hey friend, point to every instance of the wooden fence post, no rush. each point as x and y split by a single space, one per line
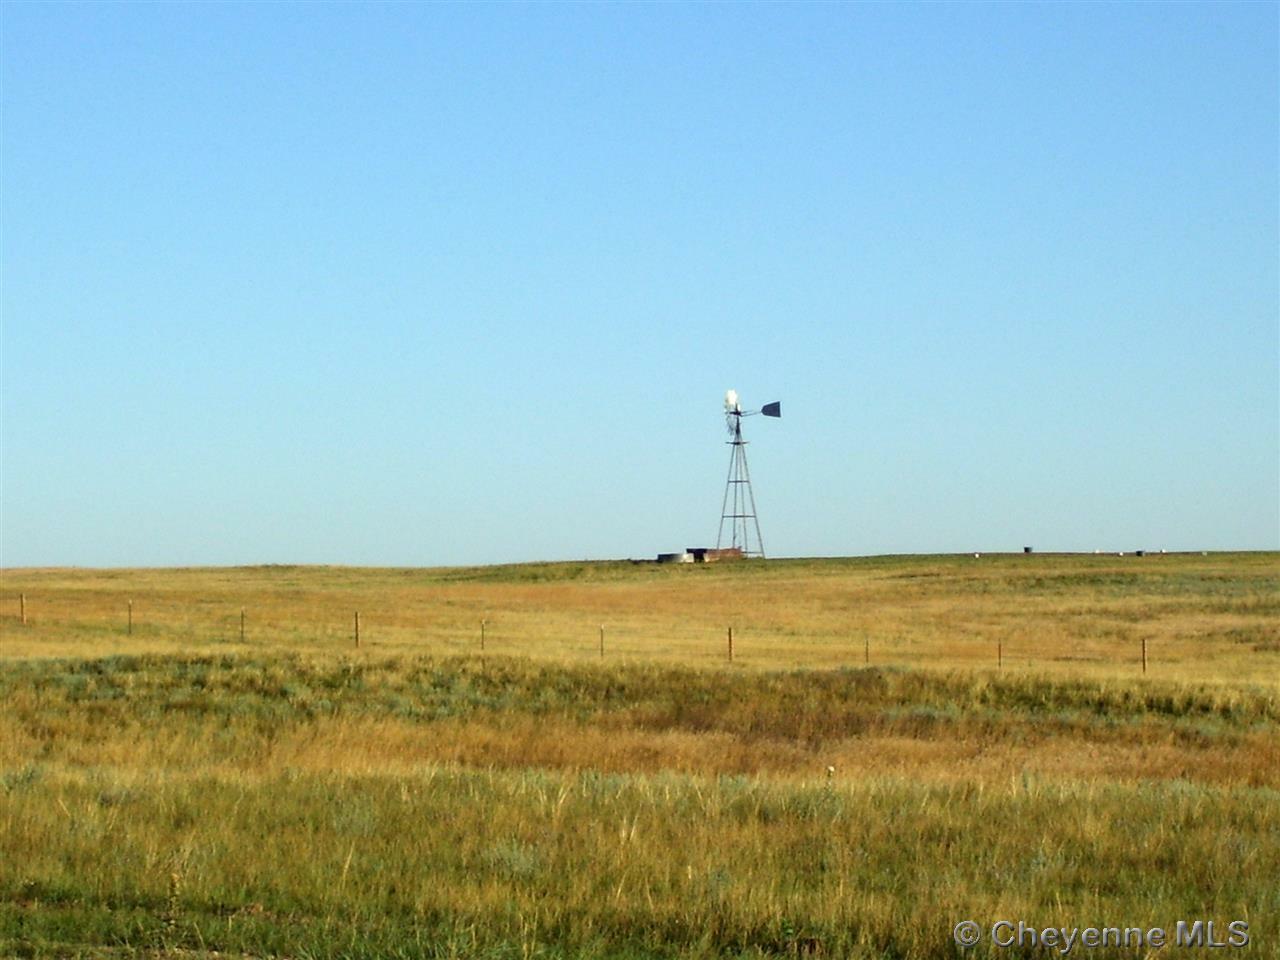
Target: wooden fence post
22 607
866 650
242 624
130 628
731 644
357 628
482 623
602 639
1144 654
999 655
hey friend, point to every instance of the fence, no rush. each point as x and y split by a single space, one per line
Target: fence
75 625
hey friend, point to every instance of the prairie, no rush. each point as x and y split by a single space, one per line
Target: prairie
862 776
1202 617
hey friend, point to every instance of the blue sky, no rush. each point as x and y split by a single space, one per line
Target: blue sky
437 284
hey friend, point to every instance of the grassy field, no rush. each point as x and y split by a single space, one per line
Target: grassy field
177 791
1203 617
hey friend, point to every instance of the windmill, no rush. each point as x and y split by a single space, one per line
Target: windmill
739 504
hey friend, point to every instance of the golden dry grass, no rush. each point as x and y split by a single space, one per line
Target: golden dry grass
175 792
1213 617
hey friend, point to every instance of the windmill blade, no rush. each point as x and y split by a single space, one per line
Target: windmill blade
772 409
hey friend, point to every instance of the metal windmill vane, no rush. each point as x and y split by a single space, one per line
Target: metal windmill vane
739 504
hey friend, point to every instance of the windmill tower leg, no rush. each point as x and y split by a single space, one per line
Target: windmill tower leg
755 520
725 513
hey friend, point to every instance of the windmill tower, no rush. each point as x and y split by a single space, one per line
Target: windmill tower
739 504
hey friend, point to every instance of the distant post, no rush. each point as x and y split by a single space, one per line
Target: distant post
866 650
482 623
602 639
22 607
731 644
357 628
1144 654
130 627
242 624
999 654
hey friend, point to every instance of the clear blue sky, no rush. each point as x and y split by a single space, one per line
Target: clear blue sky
437 284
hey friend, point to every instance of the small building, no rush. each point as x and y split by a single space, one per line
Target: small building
708 555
